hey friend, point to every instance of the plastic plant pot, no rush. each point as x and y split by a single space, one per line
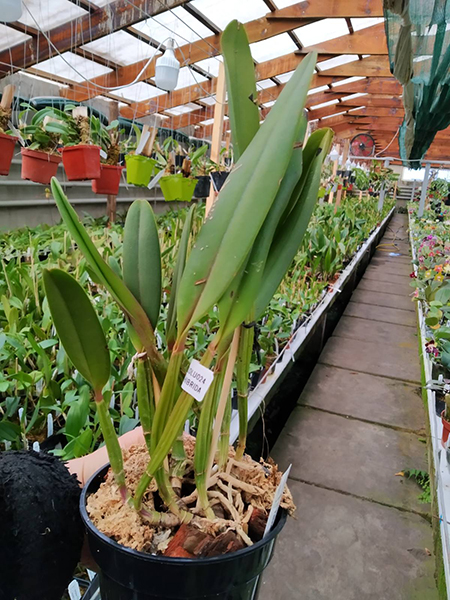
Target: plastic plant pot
202 187
81 162
39 167
177 187
127 574
108 182
446 429
7 143
219 178
139 169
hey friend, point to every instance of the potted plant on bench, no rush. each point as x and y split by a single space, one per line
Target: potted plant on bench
192 520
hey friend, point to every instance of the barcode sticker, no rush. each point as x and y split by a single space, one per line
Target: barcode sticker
197 380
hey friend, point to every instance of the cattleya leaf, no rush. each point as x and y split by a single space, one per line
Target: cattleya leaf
238 213
78 327
171 323
243 108
289 235
142 258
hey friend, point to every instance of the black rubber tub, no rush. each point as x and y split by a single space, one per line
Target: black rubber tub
202 187
219 178
126 574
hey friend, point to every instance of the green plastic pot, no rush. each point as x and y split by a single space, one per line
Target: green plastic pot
140 169
177 187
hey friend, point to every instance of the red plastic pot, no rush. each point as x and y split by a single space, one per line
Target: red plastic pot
81 162
446 430
7 143
109 180
39 167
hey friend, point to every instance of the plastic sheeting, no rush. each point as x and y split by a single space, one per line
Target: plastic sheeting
418 36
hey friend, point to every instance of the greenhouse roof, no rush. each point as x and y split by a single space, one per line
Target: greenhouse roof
91 47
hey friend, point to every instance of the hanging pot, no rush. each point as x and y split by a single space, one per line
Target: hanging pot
219 178
177 187
108 182
39 167
81 162
127 574
202 187
7 143
140 169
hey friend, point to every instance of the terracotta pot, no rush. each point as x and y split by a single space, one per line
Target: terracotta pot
81 162
7 143
446 430
109 180
39 167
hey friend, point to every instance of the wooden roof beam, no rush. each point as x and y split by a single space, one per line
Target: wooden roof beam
116 15
334 8
371 40
373 66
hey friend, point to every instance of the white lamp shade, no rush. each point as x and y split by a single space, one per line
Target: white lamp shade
10 10
167 68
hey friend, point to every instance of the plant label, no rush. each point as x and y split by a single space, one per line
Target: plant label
277 501
197 380
144 139
16 132
103 154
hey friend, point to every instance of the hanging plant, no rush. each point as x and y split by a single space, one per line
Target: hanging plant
110 170
7 141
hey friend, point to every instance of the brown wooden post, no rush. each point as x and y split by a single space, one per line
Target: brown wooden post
216 140
7 97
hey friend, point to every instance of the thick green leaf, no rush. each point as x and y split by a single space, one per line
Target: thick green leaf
241 208
78 327
241 87
171 323
142 258
289 235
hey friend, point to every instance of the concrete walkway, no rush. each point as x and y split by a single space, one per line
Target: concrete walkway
360 531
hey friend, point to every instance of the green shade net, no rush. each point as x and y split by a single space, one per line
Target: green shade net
418 38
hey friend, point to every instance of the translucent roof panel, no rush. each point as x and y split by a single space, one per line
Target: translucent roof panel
269 104
316 90
321 31
333 115
265 83
209 100
10 37
210 65
353 96
139 92
73 67
285 77
120 47
323 104
182 110
189 77
343 59
348 80
221 13
49 14
272 47
365 22
211 121
177 24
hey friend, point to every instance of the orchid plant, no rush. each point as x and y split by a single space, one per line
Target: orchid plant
234 267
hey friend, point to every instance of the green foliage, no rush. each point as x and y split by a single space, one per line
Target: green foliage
422 478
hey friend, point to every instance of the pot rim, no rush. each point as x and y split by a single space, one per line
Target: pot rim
6 135
51 157
178 176
103 166
79 146
170 560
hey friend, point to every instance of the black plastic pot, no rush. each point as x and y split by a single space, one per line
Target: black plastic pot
126 574
202 187
219 178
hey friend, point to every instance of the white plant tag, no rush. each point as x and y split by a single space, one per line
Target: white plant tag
36 447
155 179
103 153
49 425
74 590
277 501
144 138
197 380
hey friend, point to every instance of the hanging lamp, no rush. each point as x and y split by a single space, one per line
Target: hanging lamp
10 10
167 68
